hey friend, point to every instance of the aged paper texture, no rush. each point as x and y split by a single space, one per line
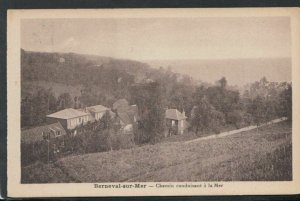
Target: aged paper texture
145 102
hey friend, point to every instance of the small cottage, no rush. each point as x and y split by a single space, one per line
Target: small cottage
97 112
126 115
41 133
42 143
69 118
175 122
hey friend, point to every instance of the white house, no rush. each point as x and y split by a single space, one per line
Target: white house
97 111
69 118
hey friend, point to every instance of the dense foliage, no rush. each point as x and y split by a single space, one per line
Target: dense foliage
149 99
104 80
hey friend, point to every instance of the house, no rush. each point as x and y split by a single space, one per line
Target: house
126 115
42 142
37 134
121 105
175 121
125 120
97 112
69 118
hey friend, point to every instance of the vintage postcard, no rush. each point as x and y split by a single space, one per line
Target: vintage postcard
153 102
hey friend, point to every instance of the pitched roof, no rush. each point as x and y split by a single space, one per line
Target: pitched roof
121 104
174 114
125 118
91 117
97 108
36 134
67 114
112 114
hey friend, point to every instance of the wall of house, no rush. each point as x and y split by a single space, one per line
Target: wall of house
63 122
73 123
180 126
99 115
171 124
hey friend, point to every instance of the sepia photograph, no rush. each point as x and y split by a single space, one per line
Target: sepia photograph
166 100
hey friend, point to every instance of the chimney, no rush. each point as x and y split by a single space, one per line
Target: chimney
183 112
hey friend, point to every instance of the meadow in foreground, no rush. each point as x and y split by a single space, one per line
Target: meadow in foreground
265 155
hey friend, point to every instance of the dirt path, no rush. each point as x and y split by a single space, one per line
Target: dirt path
227 133
222 166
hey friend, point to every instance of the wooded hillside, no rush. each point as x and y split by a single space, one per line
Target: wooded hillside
103 80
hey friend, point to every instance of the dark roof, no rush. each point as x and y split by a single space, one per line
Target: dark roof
97 108
36 134
67 114
125 118
112 114
174 114
121 104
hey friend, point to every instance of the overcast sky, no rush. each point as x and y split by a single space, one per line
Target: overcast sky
161 38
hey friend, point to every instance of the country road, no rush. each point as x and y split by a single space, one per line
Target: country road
227 133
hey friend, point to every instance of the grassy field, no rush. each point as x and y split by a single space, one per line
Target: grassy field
246 156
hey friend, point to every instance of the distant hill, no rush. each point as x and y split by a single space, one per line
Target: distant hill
73 73
237 71
72 68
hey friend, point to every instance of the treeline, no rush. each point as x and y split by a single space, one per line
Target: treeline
210 108
217 106
107 75
35 106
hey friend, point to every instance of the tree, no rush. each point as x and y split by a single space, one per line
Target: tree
26 111
205 116
223 83
107 120
223 99
35 106
76 103
285 102
247 119
235 118
217 119
275 98
64 101
256 109
148 97
52 101
40 109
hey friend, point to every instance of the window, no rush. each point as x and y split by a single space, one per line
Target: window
58 133
44 135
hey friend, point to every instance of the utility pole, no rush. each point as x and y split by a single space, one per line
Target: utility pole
48 142
48 150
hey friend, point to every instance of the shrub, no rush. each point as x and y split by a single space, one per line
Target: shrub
119 140
217 120
247 119
235 118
